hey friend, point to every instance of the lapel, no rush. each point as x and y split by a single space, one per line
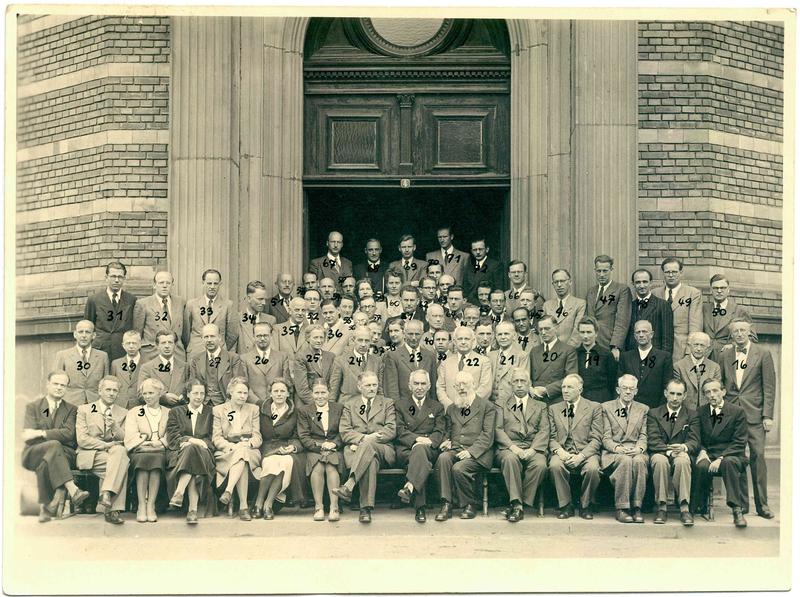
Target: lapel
224 363
580 413
753 360
375 407
215 309
518 414
473 410
717 429
358 405
683 419
645 371
633 418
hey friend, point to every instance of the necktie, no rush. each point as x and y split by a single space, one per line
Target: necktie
369 407
114 300
296 331
209 311
85 359
672 417
560 307
461 363
521 406
417 359
669 298
523 340
588 358
642 303
419 404
166 308
106 415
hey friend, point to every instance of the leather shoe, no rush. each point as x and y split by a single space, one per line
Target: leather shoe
364 515
225 498
766 513
269 514
687 519
661 517
113 517
517 513
623 516
404 495
244 514
738 518
44 514
105 500
586 514
637 515
419 516
445 513
304 505
191 517
468 512
256 512
333 516
344 493
78 498
566 512
277 506
176 500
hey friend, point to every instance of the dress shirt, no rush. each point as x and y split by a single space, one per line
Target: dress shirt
741 357
195 415
324 412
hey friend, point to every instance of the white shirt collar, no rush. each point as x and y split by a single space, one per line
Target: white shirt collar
199 410
675 412
161 300
323 409
448 251
53 404
674 290
644 298
723 304
482 261
88 351
216 353
719 408
171 360
643 353
111 294
134 359
266 353
332 258
694 360
746 347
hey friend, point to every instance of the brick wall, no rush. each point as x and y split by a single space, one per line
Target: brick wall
92 167
710 152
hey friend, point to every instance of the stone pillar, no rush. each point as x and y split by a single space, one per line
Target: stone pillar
604 147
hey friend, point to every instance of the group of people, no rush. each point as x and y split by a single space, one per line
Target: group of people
437 366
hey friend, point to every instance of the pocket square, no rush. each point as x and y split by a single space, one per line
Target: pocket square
430 415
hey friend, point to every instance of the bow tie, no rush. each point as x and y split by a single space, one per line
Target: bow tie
742 350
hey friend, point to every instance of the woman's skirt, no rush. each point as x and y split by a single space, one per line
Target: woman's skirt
225 460
275 465
149 461
198 461
334 458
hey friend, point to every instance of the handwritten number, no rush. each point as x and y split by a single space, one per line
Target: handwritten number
550 357
412 410
141 411
94 408
230 416
362 410
465 412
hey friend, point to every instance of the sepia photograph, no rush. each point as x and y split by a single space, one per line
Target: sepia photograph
324 299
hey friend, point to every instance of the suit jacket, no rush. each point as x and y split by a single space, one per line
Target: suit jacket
687 316
277 309
59 426
277 433
491 272
612 310
573 312
128 381
725 437
148 319
83 383
455 264
337 338
224 428
652 380
397 368
310 431
307 367
246 341
344 375
599 373
223 316
659 314
528 429
99 309
260 375
756 395
284 339
476 364
412 422
179 429
561 361
137 427
419 315
716 325
355 424
174 380
414 273
502 368
694 377
623 428
376 277
230 366
661 431
322 268
91 433
584 434
472 429
512 302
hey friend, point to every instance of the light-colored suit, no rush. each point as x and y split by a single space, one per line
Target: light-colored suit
108 462
260 374
454 265
687 316
284 339
627 427
344 375
475 364
512 357
83 382
128 377
149 318
246 341
337 338
612 310
694 376
573 312
223 316
137 427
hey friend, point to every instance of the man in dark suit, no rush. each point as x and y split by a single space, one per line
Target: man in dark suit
420 430
126 370
373 268
650 366
718 314
399 364
481 268
409 300
653 309
576 433
167 368
550 362
749 377
723 436
673 434
411 268
596 365
609 303
160 311
111 312
466 449
522 434
215 366
453 261
49 436
368 426
311 364
332 265
85 366
279 304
